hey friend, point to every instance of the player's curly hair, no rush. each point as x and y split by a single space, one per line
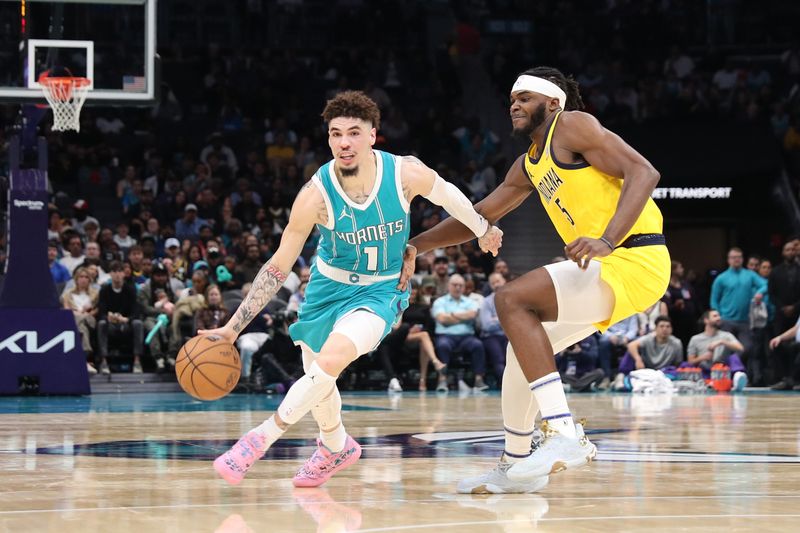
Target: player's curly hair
566 83
353 104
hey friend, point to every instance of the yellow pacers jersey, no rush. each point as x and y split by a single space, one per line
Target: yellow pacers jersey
580 201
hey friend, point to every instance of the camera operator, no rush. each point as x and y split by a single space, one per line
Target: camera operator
281 360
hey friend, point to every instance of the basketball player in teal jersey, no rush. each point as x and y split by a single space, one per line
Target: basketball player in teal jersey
359 201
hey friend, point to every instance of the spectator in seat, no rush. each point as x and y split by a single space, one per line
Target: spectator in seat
252 263
156 297
123 238
252 339
118 316
577 365
439 277
172 251
82 301
614 342
492 336
191 300
189 226
414 330
74 257
713 345
59 272
786 350
732 292
658 349
455 330
214 314
682 304
784 289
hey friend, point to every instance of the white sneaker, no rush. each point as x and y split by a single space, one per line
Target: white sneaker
739 381
137 368
441 386
496 481
556 453
619 382
394 385
91 369
463 388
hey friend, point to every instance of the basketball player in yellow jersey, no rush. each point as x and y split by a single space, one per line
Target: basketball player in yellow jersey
596 190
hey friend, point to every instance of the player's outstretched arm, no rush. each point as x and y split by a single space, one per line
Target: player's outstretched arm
504 199
606 151
418 179
308 209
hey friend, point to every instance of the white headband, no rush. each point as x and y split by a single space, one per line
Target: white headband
541 86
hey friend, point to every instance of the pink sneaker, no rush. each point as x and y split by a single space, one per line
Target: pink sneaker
234 464
324 464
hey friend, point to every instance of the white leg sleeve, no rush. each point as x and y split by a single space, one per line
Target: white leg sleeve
305 394
519 409
327 412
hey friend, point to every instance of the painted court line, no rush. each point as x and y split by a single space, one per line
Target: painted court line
575 519
435 500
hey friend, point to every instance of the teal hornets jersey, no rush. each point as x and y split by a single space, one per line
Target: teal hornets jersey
368 238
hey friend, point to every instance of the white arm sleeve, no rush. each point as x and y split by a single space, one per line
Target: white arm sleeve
449 196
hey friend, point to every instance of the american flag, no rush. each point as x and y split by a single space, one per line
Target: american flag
133 83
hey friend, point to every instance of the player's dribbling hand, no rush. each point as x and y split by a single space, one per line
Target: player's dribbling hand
227 334
583 249
491 241
409 266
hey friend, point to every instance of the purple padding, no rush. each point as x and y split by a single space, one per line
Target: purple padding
43 343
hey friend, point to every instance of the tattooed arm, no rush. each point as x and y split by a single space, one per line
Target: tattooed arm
309 208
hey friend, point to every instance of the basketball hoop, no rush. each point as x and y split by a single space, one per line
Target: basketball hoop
66 96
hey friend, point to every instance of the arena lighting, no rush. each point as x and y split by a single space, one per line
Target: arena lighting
692 193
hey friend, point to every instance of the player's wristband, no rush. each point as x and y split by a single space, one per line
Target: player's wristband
607 242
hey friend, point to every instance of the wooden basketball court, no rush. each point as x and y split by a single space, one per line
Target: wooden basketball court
142 462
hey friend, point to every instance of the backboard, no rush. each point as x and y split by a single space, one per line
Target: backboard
110 42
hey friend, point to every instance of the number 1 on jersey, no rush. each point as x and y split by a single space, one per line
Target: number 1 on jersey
372 257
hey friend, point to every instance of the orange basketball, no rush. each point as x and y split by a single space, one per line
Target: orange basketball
208 367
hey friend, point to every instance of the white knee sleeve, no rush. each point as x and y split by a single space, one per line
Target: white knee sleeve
364 328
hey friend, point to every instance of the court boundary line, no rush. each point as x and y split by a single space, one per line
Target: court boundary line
435 500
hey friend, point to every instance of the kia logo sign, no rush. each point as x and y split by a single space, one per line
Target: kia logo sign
11 343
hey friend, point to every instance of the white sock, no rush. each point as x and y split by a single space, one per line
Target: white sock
270 431
334 440
305 394
549 392
328 414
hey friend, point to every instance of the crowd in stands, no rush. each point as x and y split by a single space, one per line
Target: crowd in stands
163 216
749 324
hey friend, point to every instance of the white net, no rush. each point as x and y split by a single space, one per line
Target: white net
66 97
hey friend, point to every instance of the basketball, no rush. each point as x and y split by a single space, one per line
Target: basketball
208 367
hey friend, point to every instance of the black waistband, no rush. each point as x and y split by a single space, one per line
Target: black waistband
643 239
